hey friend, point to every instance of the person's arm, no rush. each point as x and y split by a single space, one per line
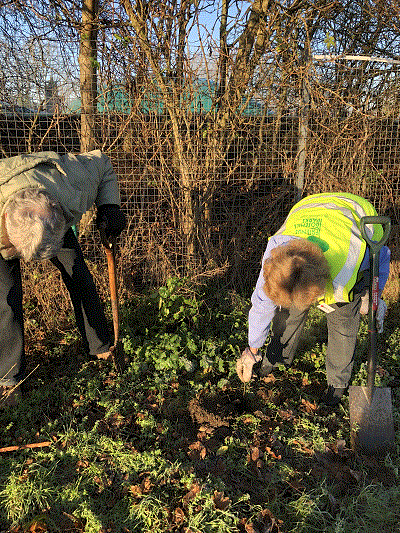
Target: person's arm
260 316
110 218
108 192
384 265
99 175
262 309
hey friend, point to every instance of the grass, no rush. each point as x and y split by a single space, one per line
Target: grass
176 444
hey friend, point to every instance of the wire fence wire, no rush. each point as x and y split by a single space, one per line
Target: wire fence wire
334 129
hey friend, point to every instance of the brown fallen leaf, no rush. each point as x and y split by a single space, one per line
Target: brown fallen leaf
272 453
179 516
82 465
37 525
194 490
269 379
146 485
249 528
266 522
197 451
255 453
286 414
310 407
304 448
247 420
220 501
383 373
136 490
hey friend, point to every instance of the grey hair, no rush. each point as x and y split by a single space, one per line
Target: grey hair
35 224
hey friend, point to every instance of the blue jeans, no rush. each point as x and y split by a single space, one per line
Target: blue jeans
89 313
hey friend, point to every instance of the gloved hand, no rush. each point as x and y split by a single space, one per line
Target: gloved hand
380 314
380 311
245 363
110 220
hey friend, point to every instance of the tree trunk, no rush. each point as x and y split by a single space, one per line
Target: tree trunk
88 73
88 88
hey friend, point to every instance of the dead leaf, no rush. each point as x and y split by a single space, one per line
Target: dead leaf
220 501
269 379
382 372
197 451
249 528
179 515
37 525
116 420
82 465
255 454
272 453
310 407
304 448
146 485
194 490
136 490
248 420
24 476
286 415
266 523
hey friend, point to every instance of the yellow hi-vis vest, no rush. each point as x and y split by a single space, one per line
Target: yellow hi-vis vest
332 221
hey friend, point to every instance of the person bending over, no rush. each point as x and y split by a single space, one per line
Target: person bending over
42 196
319 257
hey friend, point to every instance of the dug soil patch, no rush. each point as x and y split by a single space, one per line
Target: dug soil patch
219 409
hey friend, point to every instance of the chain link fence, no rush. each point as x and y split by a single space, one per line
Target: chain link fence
311 134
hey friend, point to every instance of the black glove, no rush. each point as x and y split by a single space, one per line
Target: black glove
110 221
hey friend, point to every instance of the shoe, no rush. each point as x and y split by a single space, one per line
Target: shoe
10 396
332 397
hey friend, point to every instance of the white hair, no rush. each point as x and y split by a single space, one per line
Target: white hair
35 224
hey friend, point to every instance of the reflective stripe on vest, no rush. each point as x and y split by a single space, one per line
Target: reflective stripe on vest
332 221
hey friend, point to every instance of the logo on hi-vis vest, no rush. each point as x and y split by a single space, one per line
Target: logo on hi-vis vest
309 226
312 228
319 242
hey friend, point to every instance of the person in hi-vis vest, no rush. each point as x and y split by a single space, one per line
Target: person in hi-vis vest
319 257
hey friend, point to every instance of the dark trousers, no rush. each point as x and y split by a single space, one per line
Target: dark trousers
88 309
342 323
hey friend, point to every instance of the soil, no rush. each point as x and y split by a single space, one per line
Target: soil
219 409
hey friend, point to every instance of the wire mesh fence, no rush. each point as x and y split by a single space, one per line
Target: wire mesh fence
197 210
